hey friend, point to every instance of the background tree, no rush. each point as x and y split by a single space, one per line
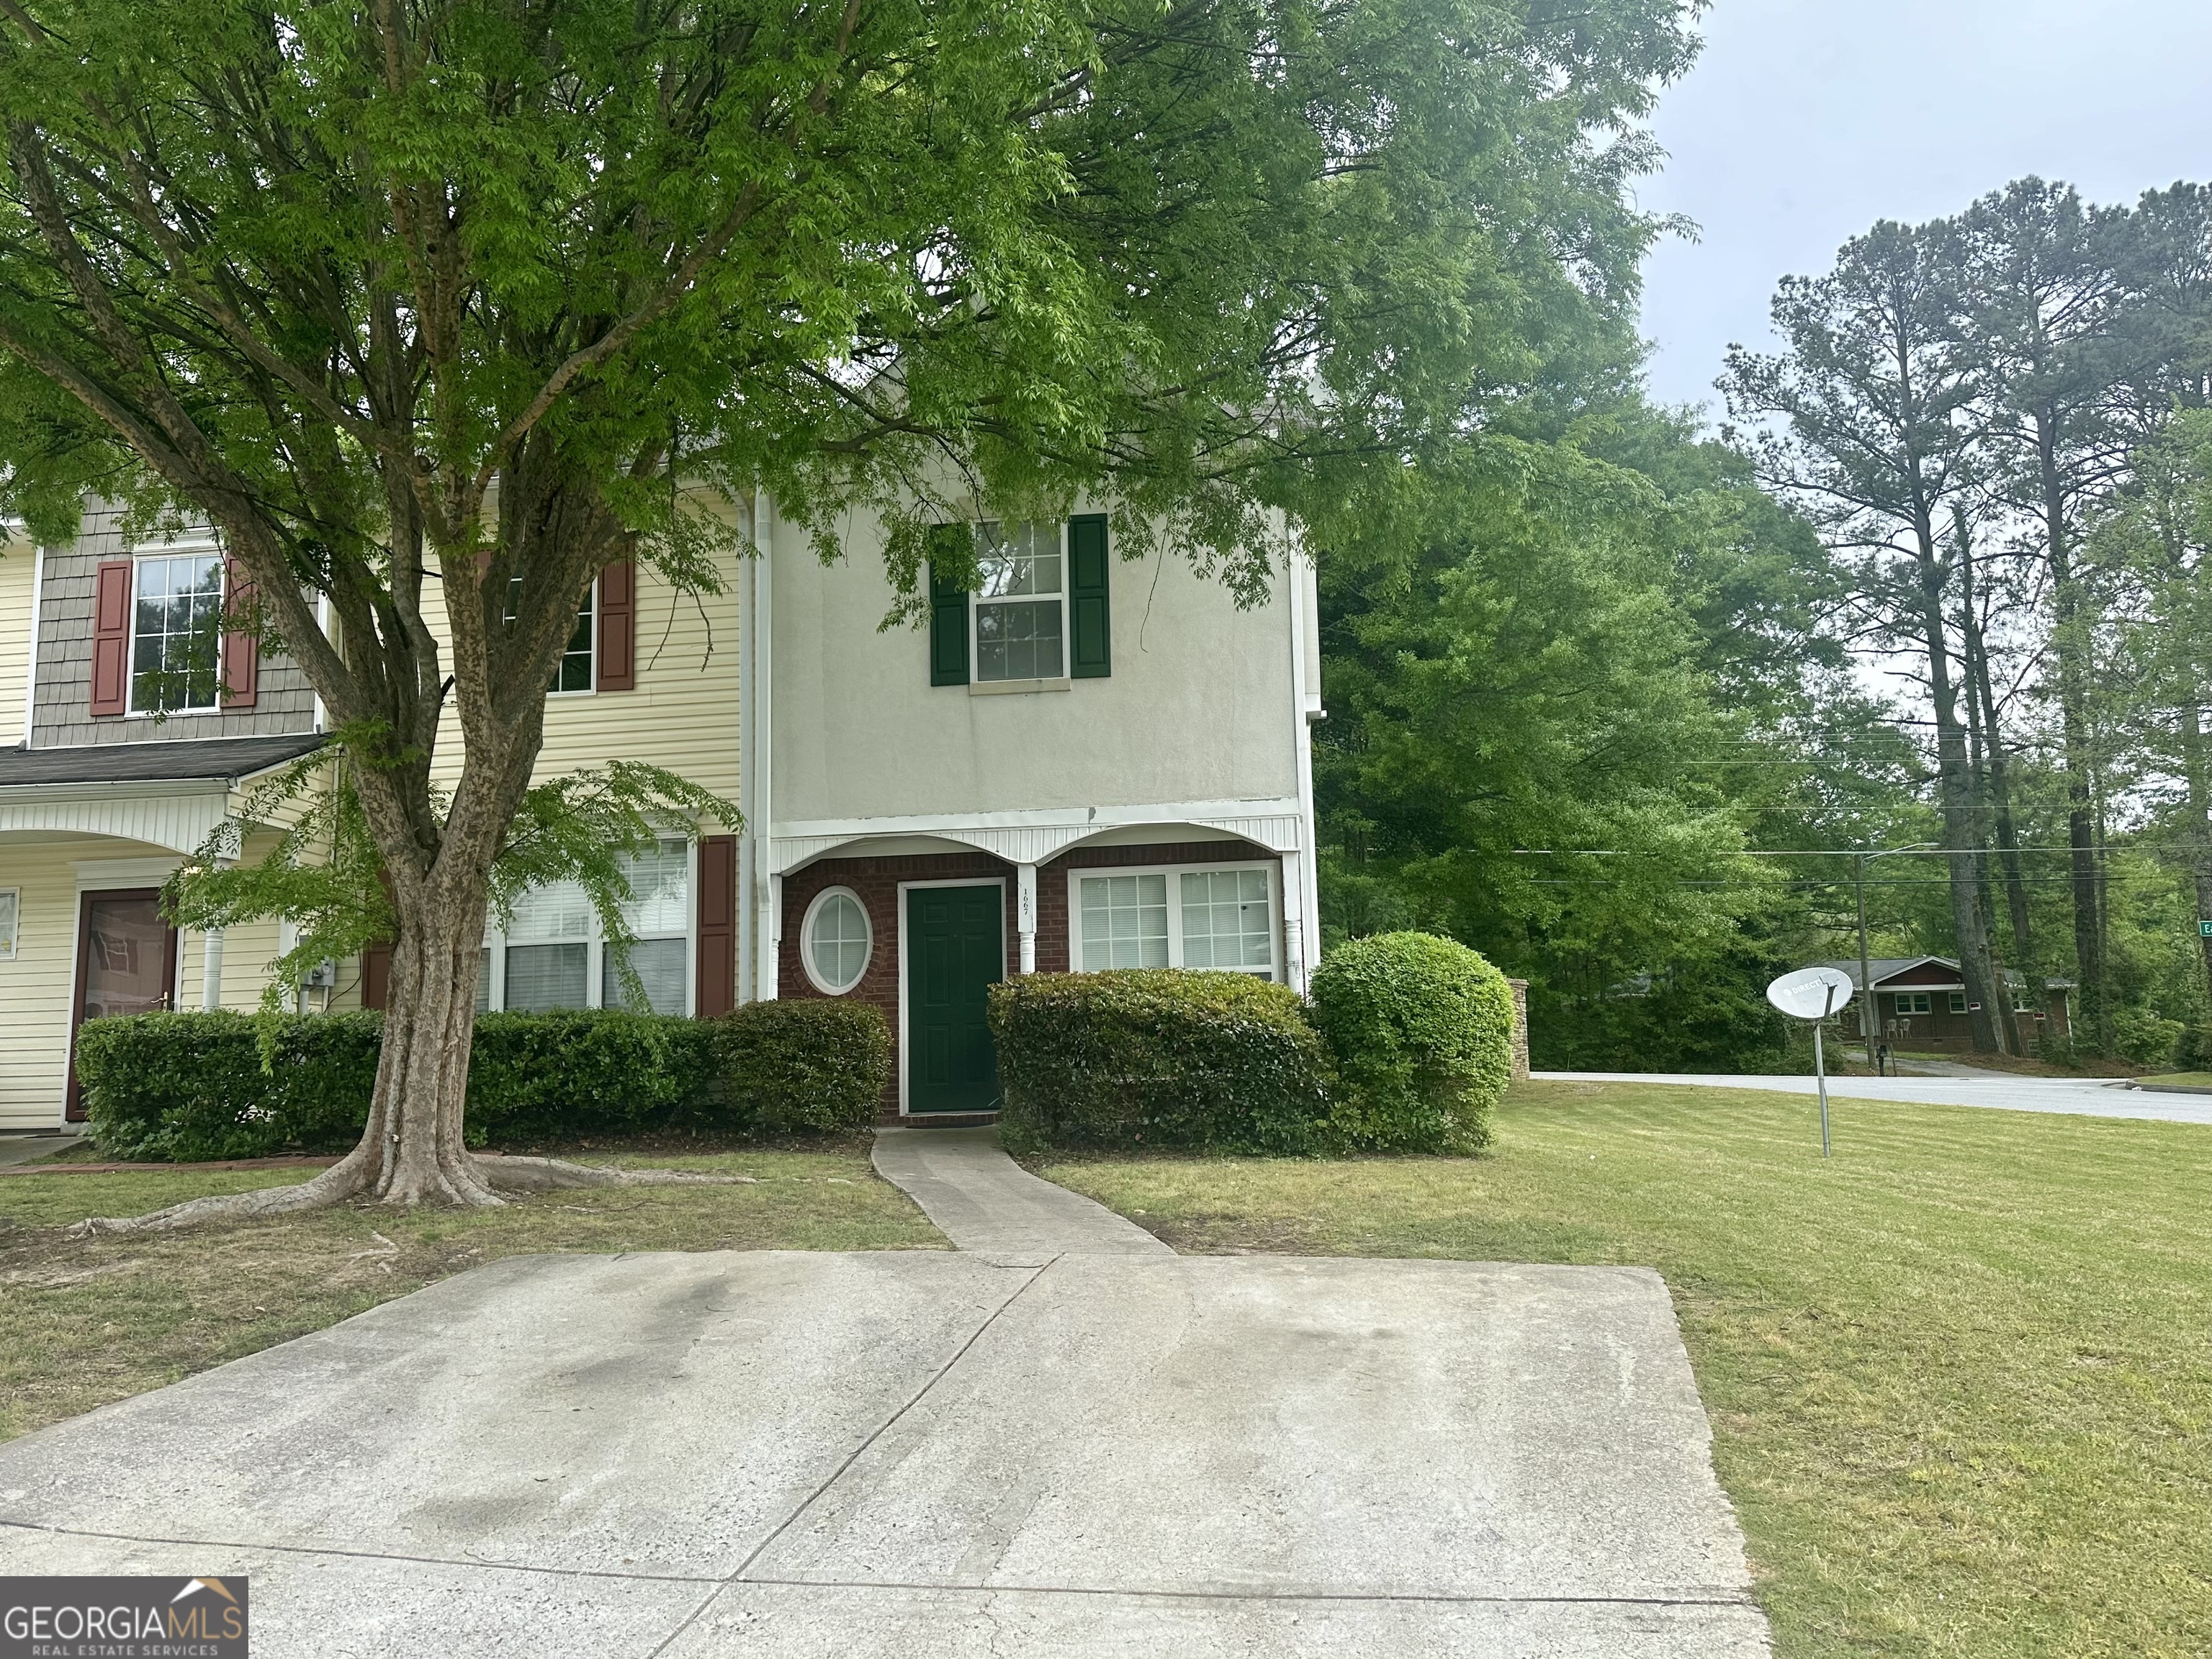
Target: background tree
1875 404
2041 301
435 311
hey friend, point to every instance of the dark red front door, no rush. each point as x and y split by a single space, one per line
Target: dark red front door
127 963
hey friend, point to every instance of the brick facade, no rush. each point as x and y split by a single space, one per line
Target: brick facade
876 882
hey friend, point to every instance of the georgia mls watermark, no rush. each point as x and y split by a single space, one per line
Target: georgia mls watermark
123 1618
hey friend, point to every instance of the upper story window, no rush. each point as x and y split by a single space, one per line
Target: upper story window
574 671
1021 603
176 634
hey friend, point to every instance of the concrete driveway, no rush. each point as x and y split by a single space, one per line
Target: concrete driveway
2079 1097
919 1455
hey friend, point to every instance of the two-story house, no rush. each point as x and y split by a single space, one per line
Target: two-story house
1091 762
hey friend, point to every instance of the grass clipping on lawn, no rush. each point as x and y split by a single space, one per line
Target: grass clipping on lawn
1959 1379
84 1321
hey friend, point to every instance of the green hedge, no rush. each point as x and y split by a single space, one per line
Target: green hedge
190 1087
807 1063
1421 1031
1158 1058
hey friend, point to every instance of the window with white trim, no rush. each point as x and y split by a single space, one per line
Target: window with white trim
1915 1002
553 952
1021 602
835 940
577 657
11 907
176 634
1958 1002
1199 917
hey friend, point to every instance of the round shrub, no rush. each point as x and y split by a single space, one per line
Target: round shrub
1421 1030
805 1063
1157 1057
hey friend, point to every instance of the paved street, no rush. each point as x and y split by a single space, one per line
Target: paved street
2083 1097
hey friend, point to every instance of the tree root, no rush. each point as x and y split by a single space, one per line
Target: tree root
539 1175
349 1179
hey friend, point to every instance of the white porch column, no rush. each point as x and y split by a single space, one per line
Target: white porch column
771 935
1294 922
1025 911
211 969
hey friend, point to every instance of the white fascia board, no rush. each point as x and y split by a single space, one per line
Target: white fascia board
1034 835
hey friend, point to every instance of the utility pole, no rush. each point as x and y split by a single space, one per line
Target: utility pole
1866 968
1867 1011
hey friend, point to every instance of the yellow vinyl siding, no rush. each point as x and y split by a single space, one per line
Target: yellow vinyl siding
36 986
18 566
684 714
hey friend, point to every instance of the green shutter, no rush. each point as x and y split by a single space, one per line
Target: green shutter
948 615
1090 623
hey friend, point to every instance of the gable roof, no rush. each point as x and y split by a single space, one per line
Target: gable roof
1886 969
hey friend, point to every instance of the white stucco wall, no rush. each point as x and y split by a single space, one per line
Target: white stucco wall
1199 707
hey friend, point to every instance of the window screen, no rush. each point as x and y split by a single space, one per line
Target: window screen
1125 921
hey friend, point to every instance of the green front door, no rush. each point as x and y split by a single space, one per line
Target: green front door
955 948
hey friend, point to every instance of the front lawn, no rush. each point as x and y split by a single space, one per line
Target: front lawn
1960 1379
86 1321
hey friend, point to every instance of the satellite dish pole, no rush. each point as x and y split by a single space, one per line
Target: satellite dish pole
1814 994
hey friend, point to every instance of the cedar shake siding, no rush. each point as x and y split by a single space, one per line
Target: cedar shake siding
61 710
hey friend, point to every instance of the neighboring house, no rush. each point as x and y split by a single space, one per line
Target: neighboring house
1093 762
1920 1002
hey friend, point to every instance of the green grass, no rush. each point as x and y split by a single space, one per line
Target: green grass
1959 1378
86 1321
2187 1080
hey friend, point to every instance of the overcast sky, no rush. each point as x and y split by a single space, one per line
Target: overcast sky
1808 120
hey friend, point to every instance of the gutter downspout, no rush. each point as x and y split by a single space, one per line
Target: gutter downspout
767 886
1300 871
31 666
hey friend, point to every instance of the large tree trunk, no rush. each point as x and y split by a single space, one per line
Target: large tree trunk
1962 840
2085 855
1981 736
423 1075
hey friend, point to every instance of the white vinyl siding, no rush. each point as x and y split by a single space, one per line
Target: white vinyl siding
1224 917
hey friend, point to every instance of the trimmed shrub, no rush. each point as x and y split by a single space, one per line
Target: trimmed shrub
595 1071
191 1087
806 1063
1157 1057
1421 1030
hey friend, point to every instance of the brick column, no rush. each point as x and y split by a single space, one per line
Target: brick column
1520 1029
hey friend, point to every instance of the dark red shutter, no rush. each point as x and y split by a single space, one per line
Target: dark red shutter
110 636
718 925
376 976
617 664
241 648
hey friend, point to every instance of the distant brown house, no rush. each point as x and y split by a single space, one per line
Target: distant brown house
1920 1002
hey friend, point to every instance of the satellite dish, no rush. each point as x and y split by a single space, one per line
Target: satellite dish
1811 993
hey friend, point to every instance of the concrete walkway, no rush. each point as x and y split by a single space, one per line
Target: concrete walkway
2081 1097
982 1200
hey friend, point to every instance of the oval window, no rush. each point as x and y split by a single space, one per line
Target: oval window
836 940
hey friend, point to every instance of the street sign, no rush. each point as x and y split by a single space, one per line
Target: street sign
2204 928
